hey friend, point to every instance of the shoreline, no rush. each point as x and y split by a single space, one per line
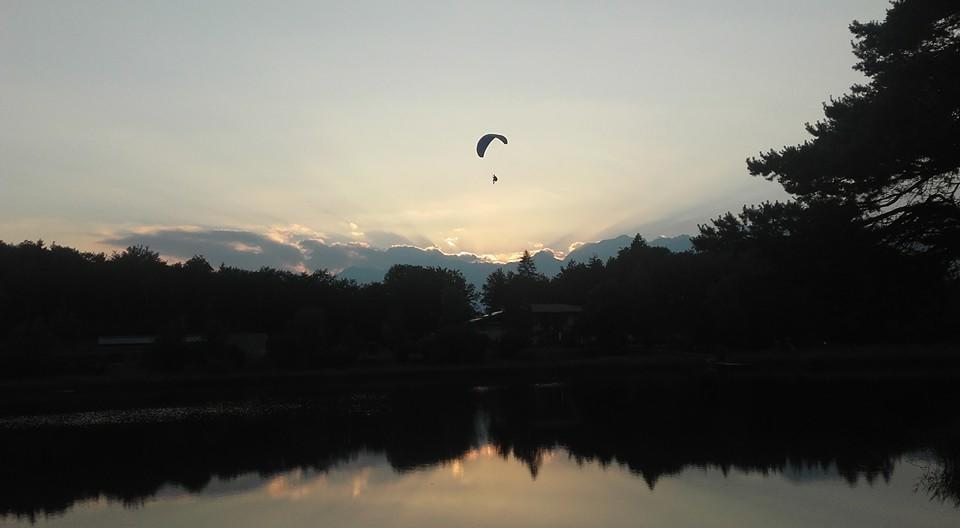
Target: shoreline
920 368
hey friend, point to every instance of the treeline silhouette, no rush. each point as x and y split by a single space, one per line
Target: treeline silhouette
827 281
57 301
809 278
833 432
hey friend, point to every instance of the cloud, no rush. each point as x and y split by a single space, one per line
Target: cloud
385 239
335 256
242 249
365 263
293 248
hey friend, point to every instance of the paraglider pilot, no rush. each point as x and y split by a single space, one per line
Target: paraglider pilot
494 178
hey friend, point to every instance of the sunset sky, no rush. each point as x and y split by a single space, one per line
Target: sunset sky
241 124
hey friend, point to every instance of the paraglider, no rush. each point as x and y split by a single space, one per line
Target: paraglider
485 142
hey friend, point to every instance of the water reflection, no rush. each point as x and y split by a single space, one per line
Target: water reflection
480 456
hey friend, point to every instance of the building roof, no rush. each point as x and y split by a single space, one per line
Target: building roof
486 317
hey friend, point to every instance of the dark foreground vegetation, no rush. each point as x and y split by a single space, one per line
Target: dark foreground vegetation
866 253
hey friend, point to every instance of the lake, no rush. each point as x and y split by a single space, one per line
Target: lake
522 456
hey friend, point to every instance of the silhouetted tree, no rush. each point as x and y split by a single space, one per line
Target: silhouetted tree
526 286
197 264
527 268
890 147
494 291
813 271
137 256
576 280
421 299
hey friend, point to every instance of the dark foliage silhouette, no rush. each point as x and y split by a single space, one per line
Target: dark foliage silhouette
891 147
777 274
514 290
58 300
811 272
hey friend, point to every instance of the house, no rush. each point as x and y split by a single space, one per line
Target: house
543 323
490 325
554 323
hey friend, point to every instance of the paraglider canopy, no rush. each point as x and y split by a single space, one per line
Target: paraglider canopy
485 142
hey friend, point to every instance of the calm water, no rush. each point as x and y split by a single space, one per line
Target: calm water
549 456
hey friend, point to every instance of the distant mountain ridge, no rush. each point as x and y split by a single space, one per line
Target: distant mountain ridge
605 249
476 271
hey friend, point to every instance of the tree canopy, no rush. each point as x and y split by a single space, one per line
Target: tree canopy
514 290
891 146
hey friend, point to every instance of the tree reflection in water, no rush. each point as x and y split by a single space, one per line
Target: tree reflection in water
853 433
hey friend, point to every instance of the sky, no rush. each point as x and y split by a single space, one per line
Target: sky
346 124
